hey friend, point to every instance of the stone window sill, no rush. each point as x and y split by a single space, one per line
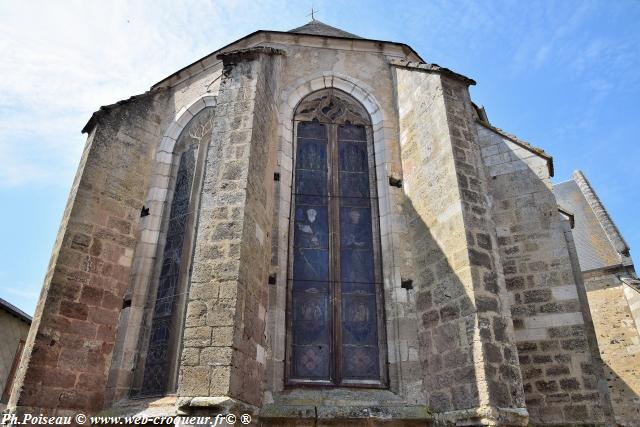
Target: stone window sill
340 403
150 407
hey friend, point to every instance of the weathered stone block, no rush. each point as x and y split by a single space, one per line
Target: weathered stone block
195 381
197 336
216 356
221 313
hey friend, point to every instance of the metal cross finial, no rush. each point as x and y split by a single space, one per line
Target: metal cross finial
313 18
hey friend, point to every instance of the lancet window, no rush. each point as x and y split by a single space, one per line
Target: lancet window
335 317
167 303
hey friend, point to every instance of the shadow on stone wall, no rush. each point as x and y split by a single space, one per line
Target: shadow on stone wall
447 320
616 334
563 373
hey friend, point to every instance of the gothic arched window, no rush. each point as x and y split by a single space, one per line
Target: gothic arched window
166 306
335 317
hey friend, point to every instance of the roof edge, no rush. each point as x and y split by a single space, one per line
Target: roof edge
288 34
524 144
606 222
315 23
95 116
424 66
15 311
248 53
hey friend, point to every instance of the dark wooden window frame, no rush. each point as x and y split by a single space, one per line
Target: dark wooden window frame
333 108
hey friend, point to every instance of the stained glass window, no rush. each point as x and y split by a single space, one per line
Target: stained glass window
335 297
158 358
165 326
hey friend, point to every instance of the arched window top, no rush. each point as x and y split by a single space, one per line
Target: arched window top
198 128
332 106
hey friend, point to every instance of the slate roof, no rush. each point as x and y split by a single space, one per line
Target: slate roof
318 28
14 311
595 246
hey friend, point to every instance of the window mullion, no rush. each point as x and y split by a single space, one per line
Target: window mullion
334 202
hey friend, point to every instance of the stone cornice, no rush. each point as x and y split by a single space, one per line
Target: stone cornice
430 68
247 54
97 115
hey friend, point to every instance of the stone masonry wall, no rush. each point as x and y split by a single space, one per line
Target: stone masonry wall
618 341
69 347
466 336
491 297
250 362
557 363
223 354
633 299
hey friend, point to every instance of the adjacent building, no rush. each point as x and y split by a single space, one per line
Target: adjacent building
14 327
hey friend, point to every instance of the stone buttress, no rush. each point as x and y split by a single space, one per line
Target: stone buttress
466 335
223 356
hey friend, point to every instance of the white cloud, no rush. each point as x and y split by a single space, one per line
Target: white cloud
63 60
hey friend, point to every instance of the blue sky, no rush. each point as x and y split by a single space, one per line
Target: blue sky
562 75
